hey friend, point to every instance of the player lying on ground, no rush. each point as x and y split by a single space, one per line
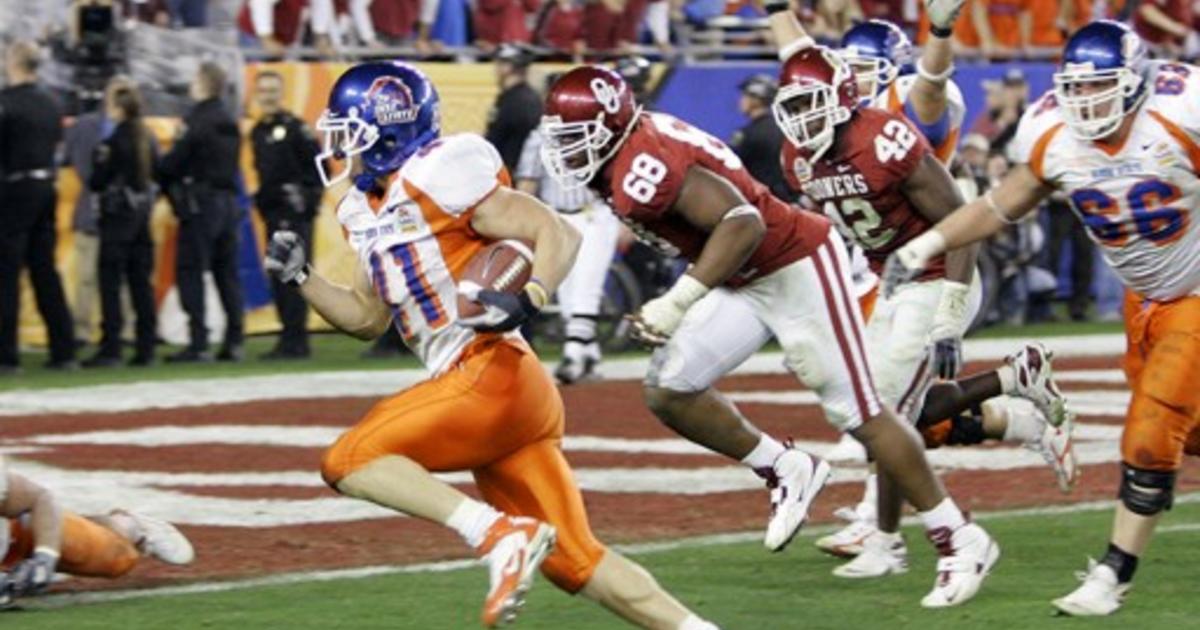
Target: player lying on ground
38 538
760 269
1120 136
871 172
421 210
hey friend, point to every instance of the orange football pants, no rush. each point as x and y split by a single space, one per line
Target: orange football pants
89 549
497 414
1162 363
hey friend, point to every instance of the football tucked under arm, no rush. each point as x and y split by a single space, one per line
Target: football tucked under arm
505 266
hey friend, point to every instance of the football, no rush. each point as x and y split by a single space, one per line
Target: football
502 266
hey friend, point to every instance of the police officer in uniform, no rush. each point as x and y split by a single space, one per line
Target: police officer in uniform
199 175
30 132
288 196
123 178
759 142
517 110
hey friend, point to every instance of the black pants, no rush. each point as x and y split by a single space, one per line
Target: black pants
209 241
27 239
292 307
1064 227
126 254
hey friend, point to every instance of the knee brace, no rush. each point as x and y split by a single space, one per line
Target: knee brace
1146 492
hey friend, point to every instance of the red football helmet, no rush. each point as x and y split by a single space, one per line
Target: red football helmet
817 92
589 113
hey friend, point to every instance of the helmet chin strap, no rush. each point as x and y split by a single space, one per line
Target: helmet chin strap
637 113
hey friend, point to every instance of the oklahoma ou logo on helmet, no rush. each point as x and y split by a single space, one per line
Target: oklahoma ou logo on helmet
608 96
394 102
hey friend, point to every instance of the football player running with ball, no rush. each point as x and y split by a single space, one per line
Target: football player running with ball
1120 137
916 336
421 208
760 269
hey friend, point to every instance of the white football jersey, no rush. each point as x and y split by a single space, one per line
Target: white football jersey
415 242
944 140
1139 201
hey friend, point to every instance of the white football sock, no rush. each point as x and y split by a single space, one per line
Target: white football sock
581 328
1022 424
868 508
765 453
945 514
1008 379
695 623
471 519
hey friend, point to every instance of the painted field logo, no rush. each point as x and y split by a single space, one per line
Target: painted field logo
393 100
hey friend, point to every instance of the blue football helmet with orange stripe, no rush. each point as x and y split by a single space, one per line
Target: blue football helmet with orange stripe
878 52
380 112
1102 78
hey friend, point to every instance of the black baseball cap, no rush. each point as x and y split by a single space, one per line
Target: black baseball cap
760 86
516 55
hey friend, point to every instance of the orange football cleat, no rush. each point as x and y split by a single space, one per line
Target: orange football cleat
514 547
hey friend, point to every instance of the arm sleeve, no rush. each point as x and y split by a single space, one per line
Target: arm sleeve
457 173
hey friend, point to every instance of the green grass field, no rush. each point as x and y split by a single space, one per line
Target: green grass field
736 585
334 351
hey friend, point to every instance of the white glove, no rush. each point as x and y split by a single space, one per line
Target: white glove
285 258
905 264
949 325
659 318
943 13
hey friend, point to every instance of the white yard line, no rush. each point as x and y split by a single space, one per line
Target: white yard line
697 542
200 392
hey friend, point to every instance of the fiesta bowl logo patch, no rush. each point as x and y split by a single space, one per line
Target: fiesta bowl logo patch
393 100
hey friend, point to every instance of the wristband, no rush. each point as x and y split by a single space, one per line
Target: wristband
538 296
301 276
777 6
939 79
941 33
925 247
53 553
686 291
950 317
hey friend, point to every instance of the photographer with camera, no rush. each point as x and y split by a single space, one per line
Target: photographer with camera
97 49
123 180
30 133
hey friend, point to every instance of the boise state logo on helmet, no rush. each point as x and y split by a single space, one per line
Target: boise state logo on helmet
392 101
380 114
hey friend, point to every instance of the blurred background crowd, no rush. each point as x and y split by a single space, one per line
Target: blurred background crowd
165 99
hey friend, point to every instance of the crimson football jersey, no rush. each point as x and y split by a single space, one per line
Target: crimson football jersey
644 178
857 183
